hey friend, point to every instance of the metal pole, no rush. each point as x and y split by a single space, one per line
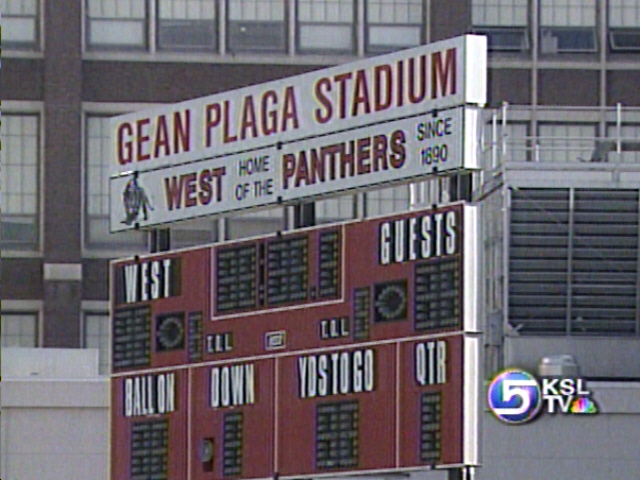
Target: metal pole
460 473
304 215
619 129
494 137
159 240
455 474
503 137
413 196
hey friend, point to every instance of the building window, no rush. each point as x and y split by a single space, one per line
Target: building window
567 26
387 201
504 22
19 329
194 232
20 24
97 192
393 24
326 26
187 25
261 222
256 26
336 209
19 182
564 143
629 144
624 25
97 334
117 24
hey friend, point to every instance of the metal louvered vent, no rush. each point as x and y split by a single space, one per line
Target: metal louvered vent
605 262
538 260
573 261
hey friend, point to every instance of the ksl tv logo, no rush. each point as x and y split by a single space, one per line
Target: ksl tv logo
515 396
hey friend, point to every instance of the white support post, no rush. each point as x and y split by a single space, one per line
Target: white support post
618 129
494 141
503 136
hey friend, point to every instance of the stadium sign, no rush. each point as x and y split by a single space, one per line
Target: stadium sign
381 154
372 114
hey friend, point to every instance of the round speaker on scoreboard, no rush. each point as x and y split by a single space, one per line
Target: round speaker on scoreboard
390 301
170 332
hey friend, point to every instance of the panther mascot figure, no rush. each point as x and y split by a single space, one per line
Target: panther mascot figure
135 199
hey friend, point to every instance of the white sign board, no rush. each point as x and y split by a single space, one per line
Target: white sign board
384 153
439 75
157 149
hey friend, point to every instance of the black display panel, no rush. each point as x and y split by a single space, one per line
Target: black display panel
194 334
131 337
236 278
329 264
287 270
149 450
361 313
437 294
337 434
431 427
232 444
170 332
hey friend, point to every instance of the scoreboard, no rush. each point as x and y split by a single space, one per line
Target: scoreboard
350 348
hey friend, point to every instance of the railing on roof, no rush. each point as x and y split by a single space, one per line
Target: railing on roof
505 143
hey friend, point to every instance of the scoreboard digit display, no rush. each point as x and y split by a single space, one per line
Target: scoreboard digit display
329 264
287 270
277 272
437 294
329 350
236 278
337 434
430 426
132 337
232 445
149 449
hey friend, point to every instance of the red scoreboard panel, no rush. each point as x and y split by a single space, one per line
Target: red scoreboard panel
349 348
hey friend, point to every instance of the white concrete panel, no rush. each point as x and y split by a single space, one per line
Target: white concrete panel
590 447
63 271
49 362
56 467
55 417
48 393
46 431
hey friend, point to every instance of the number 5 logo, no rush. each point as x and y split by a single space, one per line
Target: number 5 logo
514 396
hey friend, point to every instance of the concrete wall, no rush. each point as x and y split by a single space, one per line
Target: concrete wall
54 422
588 447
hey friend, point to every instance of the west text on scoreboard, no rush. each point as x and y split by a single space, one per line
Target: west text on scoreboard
347 348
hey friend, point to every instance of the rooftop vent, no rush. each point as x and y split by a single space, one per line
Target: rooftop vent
558 366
